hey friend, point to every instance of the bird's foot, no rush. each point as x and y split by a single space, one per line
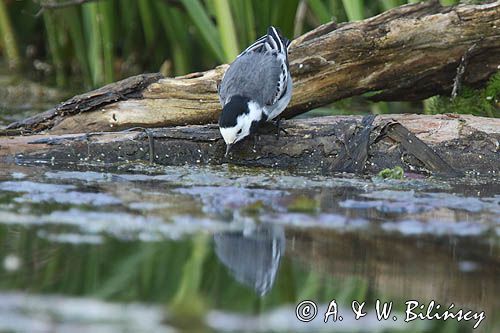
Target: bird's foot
279 129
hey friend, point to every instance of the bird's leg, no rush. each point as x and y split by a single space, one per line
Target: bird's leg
255 139
279 128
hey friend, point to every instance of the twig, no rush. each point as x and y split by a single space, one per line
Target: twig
457 81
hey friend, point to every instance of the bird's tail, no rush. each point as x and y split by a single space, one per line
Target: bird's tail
272 41
276 39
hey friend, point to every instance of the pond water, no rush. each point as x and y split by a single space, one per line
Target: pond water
21 98
140 248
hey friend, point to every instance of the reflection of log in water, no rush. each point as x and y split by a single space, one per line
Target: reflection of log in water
253 256
445 269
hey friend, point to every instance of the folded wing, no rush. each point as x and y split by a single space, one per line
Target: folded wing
260 72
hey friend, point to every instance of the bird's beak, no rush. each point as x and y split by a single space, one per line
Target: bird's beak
228 148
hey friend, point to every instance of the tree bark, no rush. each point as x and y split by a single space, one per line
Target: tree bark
407 53
442 144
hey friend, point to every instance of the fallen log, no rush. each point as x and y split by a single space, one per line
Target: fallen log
407 53
442 144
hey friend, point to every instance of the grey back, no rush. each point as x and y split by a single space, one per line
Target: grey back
253 75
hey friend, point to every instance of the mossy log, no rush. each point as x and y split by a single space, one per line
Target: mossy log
407 53
442 144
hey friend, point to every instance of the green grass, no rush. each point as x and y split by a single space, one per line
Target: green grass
206 28
8 39
355 9
89 45
227 30
75 31
102 41
55 49
320 10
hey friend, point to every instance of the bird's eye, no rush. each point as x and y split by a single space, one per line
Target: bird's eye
239 131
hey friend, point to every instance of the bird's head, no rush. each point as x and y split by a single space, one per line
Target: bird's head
238 120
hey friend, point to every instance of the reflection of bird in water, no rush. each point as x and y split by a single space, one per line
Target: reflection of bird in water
253 258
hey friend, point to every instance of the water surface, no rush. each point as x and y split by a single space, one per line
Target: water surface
144 248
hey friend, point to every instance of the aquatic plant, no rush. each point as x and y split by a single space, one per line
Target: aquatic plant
394 173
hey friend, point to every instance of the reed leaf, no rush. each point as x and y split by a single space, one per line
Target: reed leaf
283 16
8 38
73 21
130 27
337 10
244 21
227 31
146 14
262 12
106 12
354 9
205 27
320 10
388 4
172 22
54 47
91 17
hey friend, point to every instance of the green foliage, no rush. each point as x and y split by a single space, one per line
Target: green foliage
206 28
89 45
227 31
388 4
54 47
448 2
483 102
8 38
320 10
102 41
354 9
394 173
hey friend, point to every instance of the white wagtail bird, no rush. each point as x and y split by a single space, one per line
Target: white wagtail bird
256 87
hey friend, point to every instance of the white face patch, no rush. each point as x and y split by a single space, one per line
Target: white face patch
241 130
229 134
